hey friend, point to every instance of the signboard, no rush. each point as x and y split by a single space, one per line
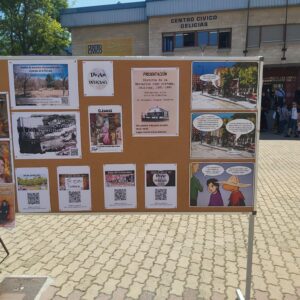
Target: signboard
147 135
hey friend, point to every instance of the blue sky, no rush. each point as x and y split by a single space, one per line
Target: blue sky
83 3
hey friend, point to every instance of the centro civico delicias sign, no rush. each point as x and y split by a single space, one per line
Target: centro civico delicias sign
192 22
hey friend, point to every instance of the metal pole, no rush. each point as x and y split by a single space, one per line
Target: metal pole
6 250
250 255
249 260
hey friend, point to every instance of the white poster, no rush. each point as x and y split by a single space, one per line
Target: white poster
74 188
98 78
43 84
45 135
105 128
161 186
33 190
120 186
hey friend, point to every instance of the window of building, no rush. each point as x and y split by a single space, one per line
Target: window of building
293 32
215 38
202 38
224 41
272 33
253 37
189 39
168 43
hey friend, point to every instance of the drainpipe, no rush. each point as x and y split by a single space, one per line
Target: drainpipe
285 31
246 46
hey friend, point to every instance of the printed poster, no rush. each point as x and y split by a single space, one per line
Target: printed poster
74 188
5 163
7 205
155 100
105 128
221 184
4 120
120 186
43 84
223 135
161 186
33 190
98 78
224 85
46 135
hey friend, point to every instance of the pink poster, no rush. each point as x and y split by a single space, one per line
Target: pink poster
155 94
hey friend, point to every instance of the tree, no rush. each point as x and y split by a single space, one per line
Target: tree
32 27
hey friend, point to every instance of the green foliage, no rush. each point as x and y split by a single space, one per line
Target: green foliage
32 27
36 181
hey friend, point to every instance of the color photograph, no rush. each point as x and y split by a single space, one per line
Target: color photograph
223 135
46 135
43 84
105 127
4 124
5 163
221 184
224 85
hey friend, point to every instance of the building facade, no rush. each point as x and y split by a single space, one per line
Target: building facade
270 28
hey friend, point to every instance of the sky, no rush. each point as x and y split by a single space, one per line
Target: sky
84 3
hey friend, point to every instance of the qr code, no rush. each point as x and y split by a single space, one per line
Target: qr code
74 197
120 195
33 198
160 194
74 152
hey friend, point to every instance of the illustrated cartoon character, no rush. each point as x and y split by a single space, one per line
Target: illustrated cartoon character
195 185
233 185
215 195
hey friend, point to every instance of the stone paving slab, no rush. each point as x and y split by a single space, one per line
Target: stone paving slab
195 256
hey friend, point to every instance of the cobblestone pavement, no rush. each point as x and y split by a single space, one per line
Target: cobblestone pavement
170 256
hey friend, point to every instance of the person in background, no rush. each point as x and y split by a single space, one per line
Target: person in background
293 122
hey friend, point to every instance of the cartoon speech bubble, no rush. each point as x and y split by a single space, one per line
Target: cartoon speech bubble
212 170
161 179
238 170
208 122
240 127
210 78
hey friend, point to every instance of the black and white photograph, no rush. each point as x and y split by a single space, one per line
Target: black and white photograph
46 135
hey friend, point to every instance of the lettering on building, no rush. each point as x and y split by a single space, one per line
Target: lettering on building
194 22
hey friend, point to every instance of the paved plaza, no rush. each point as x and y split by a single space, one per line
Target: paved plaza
195 256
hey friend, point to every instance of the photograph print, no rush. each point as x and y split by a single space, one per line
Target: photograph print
5 163
221 184
7 205
223 135
105 124
4 123
43 84
224 85
46 135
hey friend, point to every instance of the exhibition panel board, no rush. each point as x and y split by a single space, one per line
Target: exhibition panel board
133 134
